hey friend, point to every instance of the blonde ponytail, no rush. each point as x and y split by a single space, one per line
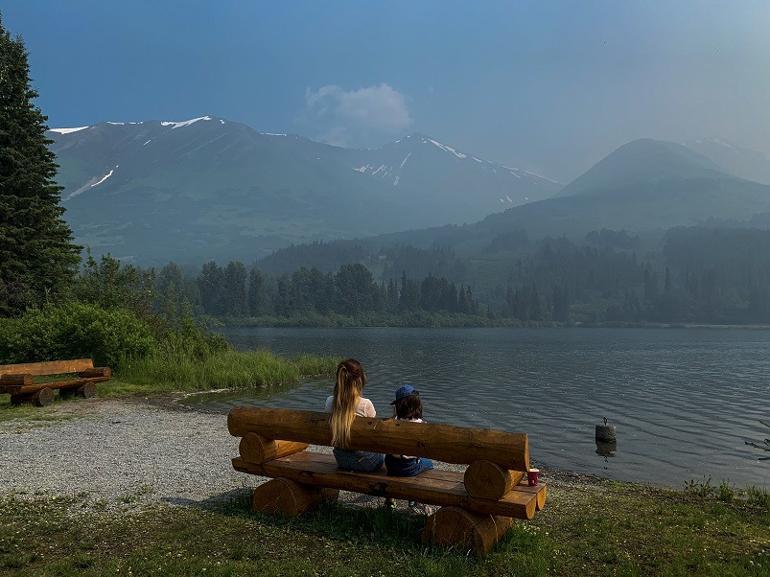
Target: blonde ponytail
347 392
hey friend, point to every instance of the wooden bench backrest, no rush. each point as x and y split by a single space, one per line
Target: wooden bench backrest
459 445
47 367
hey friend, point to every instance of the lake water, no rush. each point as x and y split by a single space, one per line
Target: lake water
684 400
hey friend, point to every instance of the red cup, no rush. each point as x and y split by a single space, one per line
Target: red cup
533 477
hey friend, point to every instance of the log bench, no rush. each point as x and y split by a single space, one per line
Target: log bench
79 378
476 506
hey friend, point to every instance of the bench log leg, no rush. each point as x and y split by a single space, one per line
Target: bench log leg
86 391
43 397
287 498
458 528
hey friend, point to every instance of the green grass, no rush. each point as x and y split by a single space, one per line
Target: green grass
24 417
610 529
219 370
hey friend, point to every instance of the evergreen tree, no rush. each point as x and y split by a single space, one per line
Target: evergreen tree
355 289
409 298
170 297
235 289
281 302
211 284
37 257
256 293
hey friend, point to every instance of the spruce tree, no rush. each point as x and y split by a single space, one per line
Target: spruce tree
37 256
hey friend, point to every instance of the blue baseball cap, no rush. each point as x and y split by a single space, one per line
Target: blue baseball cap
406 390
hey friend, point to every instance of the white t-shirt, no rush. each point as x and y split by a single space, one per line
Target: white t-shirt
365 407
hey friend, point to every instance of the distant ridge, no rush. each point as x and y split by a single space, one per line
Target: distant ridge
642 163
645 186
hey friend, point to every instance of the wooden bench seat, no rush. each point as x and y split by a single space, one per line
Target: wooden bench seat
477 504
18 380
435 487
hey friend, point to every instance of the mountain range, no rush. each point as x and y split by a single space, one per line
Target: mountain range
211 188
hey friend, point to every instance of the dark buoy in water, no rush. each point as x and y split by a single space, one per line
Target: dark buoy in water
605 449
606 433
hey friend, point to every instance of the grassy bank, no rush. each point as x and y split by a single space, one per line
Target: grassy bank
225 369
601 529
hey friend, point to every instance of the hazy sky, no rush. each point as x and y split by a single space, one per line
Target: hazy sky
545 85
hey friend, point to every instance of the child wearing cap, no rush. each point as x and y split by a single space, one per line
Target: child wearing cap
407 407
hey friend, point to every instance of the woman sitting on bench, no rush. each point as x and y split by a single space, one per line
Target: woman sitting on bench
344 406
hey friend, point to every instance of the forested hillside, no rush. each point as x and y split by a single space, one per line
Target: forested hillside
699 274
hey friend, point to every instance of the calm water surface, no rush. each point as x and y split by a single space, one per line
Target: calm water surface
684 400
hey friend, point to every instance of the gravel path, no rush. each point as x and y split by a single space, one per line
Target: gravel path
119 450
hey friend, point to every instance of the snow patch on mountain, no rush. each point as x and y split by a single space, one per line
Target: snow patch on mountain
68 130
182 124
534 175
103 178
382 170
446 148
95 181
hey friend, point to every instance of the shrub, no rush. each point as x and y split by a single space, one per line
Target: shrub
75 330
726 492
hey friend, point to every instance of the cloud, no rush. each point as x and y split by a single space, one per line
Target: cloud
362 117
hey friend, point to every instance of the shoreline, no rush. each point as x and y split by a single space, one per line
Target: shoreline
224 324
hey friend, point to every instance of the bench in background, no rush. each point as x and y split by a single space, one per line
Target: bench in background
477 506
18 380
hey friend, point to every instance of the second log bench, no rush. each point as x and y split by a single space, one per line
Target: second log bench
477 505
18 380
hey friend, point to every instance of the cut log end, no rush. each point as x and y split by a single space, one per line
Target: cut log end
287 498
43 397
87 390
463 530
486 480
257 449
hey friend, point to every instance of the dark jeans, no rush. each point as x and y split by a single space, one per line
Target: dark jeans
398 467
361 461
